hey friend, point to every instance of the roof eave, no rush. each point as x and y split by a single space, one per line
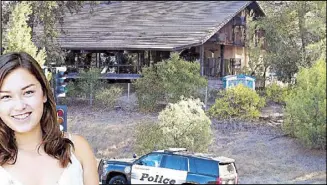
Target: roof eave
260 8
114 48
187 46
224 23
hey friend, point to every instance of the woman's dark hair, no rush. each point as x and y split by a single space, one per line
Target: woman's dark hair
55 144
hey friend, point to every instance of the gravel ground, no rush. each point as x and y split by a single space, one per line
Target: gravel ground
262 153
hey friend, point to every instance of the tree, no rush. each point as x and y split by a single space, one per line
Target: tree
169 79
279 52
18 38
295 35
259 59
305 111
49 15
296 39
316 29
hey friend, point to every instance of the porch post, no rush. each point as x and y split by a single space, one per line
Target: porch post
149 58
138 61
142 60
222 65
97 61
157 56
202 60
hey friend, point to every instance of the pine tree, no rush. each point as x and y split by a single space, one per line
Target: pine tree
18 37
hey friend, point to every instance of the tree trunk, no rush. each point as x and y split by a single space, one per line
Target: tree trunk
264 77
301 13
31 22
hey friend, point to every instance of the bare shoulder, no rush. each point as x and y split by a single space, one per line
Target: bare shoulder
80 142
83 150
84 153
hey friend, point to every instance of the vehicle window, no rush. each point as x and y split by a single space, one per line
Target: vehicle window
150 160
226 169
175 162
204 166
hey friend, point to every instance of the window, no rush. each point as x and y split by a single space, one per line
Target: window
150 160
175 162
204 166
226 169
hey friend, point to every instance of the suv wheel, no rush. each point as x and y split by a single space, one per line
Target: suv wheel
119 179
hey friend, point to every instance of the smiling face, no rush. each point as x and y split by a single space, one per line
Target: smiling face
21 101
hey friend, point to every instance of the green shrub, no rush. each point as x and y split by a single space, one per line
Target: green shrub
148 90
167 81
276 93
74 90
183 124
305 111
148 137
213 94
89 82
108 96
237 102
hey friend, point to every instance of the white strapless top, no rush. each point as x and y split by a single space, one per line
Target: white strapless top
72 174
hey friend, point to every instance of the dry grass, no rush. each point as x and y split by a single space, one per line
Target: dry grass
258 158
111 133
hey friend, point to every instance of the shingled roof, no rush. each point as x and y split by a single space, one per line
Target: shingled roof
154 25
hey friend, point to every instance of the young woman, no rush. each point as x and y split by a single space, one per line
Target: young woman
33 150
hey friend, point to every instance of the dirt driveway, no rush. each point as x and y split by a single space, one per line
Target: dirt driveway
262 154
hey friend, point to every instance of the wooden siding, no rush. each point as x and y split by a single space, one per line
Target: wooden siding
232 33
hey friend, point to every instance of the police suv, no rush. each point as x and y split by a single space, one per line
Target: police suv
171 166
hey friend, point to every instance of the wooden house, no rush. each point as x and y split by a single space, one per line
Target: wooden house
121 37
